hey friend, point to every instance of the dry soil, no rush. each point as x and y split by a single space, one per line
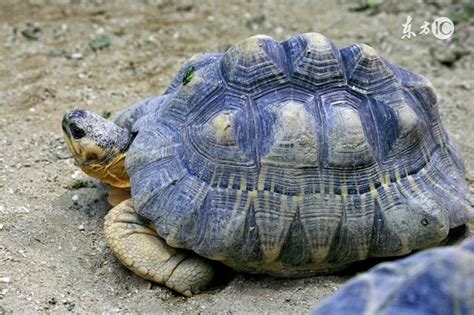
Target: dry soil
53 256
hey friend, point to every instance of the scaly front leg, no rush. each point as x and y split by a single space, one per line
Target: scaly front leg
136 244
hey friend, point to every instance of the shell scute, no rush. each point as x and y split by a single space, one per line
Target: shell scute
254 64
366 71
315 61
347 143
204 86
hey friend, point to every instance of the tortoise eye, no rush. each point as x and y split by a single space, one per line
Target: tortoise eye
76 132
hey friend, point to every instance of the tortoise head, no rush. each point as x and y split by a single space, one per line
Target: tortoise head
99 146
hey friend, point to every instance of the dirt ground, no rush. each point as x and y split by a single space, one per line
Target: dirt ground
53 256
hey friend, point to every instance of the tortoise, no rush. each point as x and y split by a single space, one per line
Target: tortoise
436 281
290 158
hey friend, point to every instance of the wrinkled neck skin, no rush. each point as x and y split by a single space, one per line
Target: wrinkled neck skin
112 173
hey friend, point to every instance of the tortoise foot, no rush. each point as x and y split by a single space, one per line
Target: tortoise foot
135 243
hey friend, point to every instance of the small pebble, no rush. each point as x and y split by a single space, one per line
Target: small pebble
77 175
76 56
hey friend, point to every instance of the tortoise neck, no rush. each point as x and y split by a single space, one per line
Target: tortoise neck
115 174
112 173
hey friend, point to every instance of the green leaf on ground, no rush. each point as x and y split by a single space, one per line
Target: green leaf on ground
31 31
100 42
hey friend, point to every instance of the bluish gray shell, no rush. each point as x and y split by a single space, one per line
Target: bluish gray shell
295 157
434 282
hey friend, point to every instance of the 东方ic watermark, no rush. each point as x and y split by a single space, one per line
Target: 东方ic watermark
441 28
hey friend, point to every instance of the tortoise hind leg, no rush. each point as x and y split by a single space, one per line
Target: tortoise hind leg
135 243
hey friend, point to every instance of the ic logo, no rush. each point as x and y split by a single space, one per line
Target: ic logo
442 28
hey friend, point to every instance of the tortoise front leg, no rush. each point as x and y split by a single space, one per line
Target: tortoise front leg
117 195
136 244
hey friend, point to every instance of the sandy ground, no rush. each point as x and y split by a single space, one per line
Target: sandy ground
53 256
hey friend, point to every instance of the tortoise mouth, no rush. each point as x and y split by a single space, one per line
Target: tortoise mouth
87 153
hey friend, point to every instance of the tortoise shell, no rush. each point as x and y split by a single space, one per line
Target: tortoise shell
437 281
295 157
